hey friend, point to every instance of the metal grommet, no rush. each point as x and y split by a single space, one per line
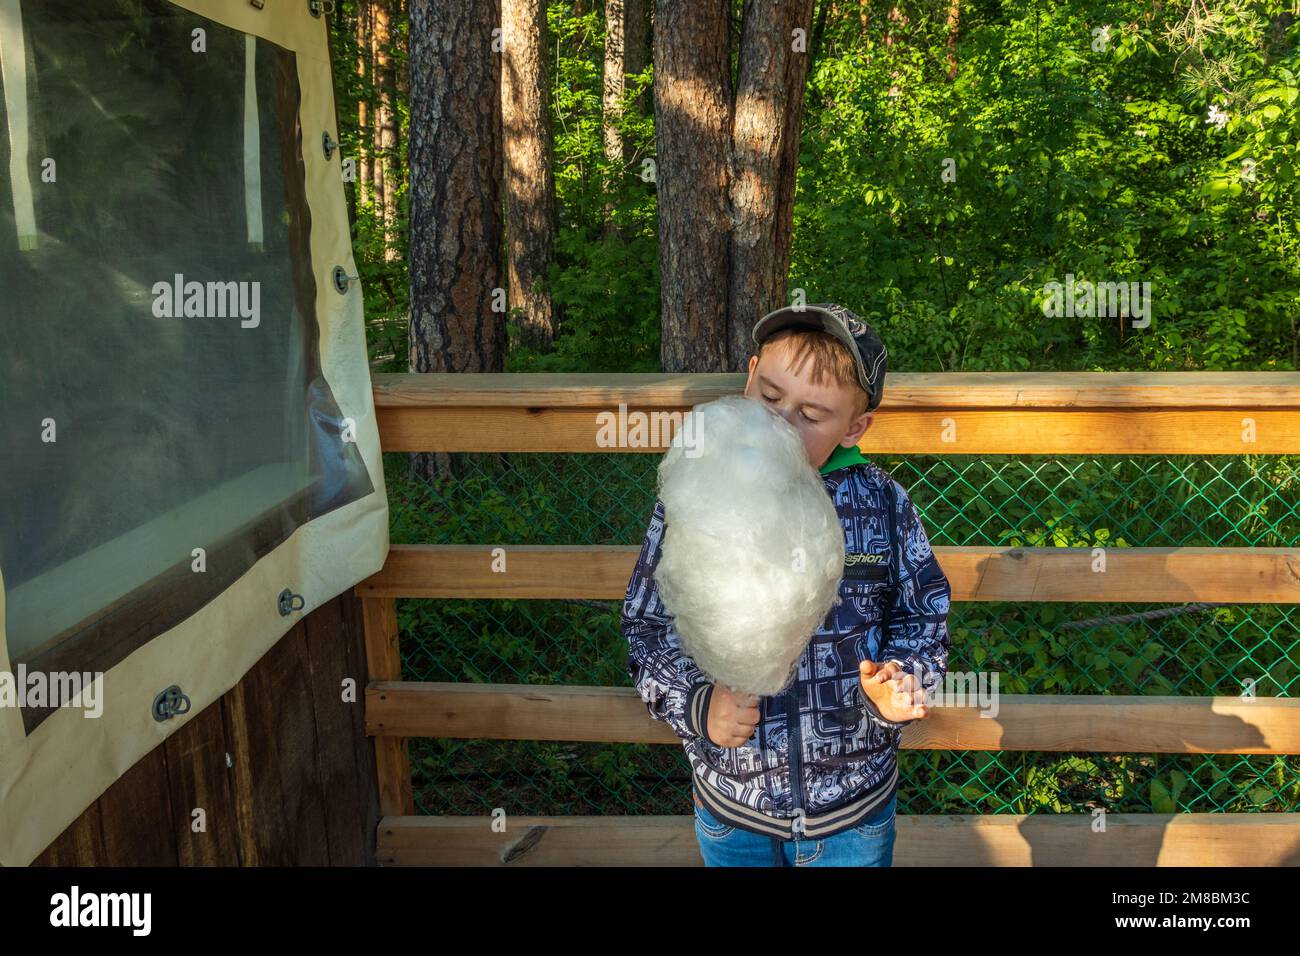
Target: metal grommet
290 602
170 703
341 280
327 144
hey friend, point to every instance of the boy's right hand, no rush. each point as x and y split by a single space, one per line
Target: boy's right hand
732 716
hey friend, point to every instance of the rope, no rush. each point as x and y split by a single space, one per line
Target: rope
1140 616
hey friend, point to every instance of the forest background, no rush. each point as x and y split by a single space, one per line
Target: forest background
956 156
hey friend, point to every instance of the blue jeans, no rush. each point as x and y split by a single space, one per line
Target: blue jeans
870 843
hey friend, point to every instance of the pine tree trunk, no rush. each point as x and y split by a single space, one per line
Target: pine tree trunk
626 26
895 21
379 25
455 160
636 43
365 176
614 82
693 142
403 96
455 168
765 144
529 170
386 176
819 30
726 172
954 23
455 197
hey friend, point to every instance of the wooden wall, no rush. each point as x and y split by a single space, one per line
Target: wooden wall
299 786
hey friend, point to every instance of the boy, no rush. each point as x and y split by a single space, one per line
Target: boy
808 777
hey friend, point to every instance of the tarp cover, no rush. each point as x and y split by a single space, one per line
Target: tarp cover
187 424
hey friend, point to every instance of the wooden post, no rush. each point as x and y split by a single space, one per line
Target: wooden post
384 662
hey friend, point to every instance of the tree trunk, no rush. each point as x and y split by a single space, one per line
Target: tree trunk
765 145
626 25
403 96
819 30
385 127
896 20
892 19
693 133
376 136
636 44
726 172
954 22
365 177
455 196
376 161
529 171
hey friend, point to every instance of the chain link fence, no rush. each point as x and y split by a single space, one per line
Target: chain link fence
1048 648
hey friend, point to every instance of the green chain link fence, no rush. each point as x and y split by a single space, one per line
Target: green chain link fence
1048 648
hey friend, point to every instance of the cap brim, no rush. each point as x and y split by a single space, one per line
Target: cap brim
791 317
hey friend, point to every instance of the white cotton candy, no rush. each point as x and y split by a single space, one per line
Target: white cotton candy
753 551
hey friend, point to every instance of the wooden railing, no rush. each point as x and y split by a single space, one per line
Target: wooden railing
962 414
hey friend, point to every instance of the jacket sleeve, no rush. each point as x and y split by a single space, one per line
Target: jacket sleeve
674 689
916 629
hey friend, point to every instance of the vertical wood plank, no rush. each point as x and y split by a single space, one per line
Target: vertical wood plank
136 815
237 732
384 662
339 723
198 778
270 725
364 746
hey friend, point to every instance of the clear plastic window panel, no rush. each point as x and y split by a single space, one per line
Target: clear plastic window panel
163 417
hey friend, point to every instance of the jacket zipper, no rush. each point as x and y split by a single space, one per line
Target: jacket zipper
795 744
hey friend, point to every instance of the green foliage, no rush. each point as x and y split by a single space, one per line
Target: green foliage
605 280
1083 139
1071 156
603 286
381 260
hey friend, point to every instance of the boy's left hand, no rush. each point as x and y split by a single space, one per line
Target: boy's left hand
897 695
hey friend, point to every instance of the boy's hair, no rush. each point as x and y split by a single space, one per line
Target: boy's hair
830 358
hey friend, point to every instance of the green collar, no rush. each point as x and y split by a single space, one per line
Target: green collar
842 457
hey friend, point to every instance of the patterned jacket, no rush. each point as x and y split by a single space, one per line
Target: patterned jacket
822 731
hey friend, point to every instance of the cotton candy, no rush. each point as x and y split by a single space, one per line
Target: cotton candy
753 551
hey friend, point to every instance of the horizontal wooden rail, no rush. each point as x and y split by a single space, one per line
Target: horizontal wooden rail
1241 432
1184 839
1106 390
601 572
1035 722
1065 413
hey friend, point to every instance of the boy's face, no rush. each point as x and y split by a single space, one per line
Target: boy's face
822 414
